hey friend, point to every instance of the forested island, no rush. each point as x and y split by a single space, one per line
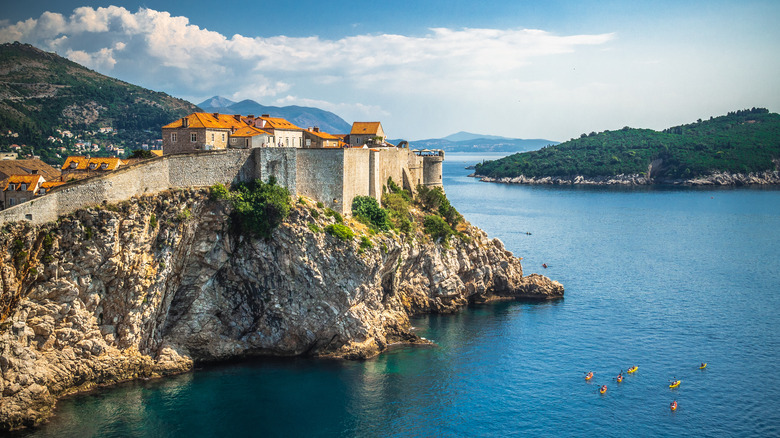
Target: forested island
742 147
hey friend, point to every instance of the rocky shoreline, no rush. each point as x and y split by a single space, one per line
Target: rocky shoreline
714 179
158 284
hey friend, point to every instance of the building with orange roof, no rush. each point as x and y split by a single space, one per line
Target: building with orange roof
78 167
367 133
200 131
47 186
248 137
283 133
21 188
314 138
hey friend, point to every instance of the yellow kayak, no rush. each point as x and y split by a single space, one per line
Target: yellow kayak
675 384
703 366
632 369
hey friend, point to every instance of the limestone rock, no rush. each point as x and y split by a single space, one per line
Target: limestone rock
141 290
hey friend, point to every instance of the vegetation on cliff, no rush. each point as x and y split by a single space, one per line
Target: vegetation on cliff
739 142
258 207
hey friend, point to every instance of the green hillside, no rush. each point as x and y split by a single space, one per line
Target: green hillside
41 92
740 142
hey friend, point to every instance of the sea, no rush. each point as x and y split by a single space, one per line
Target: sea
662 278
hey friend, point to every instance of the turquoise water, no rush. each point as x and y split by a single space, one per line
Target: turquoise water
660 278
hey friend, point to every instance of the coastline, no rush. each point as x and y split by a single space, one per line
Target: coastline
714 179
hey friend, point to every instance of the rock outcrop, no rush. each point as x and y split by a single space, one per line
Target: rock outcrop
159 283
769 177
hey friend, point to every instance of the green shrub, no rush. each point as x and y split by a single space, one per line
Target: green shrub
301 200
340 231
153 221
314 213
218 191
335 215
258 207
398 211
437 228
320 204
314 228
367 208
184 215
365 243
396 189
433 200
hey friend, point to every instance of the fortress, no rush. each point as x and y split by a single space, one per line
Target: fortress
333 176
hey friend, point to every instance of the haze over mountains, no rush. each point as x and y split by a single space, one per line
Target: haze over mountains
327 121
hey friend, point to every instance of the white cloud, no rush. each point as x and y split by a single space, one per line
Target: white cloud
367 76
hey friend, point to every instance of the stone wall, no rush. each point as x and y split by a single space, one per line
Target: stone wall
332 176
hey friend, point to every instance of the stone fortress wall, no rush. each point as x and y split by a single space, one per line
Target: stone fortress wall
331 176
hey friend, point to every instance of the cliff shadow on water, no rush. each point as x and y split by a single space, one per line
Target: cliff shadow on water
158 284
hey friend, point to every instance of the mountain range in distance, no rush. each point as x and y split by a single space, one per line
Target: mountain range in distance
329 122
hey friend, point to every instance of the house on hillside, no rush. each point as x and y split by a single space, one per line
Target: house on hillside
367 133
21 188
283 133
200 131
78 167
314 138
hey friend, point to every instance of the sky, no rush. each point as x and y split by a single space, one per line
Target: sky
549 69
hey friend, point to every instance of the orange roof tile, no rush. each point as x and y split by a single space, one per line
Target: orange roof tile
323 135
32 182
157 152
365 128
51 184
84 163
208 120
278 123
248 131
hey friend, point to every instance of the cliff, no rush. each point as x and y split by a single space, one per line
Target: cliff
154 285
769 177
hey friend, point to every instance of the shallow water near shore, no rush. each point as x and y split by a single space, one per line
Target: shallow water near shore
662 278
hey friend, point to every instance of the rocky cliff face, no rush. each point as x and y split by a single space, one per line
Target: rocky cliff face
769 177
156 284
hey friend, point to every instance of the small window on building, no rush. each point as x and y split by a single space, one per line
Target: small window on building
223 136
193 136
173 137
92 166
11 187
287 141
43 191
233 141
73 164
24 187
11 202
104 166
212 136
308 142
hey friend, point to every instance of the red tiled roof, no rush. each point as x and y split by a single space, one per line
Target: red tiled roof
370 128
84 163
32 182
208 120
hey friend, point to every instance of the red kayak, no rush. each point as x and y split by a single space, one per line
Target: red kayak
673 405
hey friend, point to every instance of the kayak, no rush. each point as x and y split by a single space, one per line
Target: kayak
589 375
673 405
619 378
632 369
703 366
603 389
675 384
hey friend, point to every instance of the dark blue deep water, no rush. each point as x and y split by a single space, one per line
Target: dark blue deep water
662 278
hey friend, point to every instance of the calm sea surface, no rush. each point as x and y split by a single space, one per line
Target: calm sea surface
660 278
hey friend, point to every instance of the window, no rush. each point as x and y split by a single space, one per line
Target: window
173 137
233 141
308 142
212 137
73 164
193 136
223 136
11 202
24 187
92 166
43 191
11 186
104 166
287 141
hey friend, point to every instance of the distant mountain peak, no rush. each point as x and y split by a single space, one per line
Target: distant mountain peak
216 102
465 136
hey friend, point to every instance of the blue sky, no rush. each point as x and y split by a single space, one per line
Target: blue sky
527 69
